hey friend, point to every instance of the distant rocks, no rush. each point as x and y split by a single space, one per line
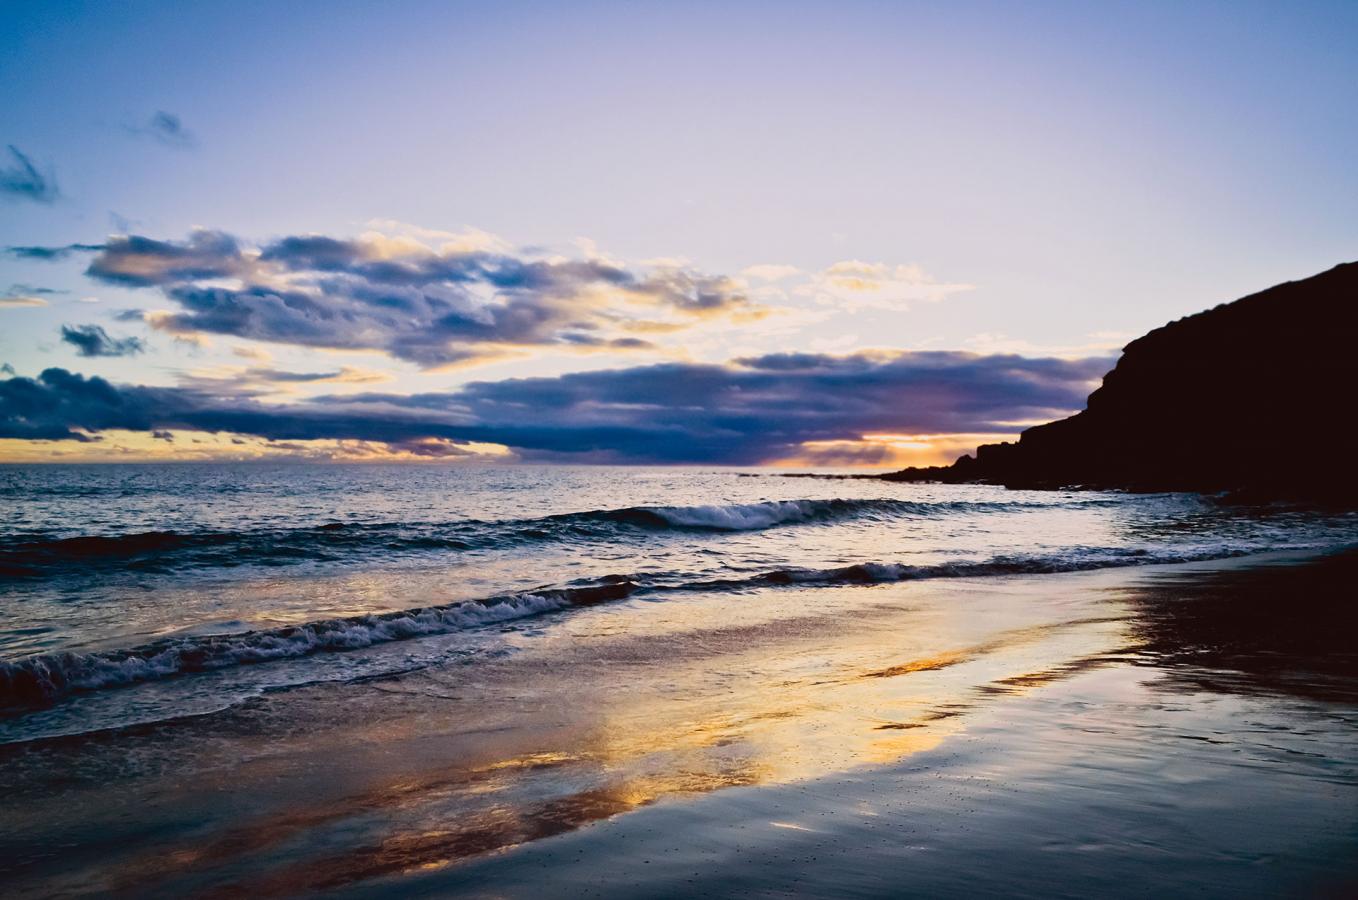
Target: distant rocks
1257 397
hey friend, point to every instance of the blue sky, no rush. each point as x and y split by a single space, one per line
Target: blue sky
1043 179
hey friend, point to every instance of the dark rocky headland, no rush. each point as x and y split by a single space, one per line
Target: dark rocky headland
1258 397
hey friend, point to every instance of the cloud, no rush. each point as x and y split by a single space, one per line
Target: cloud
93 340
22 180
857 285
20 296
167 128
48 254
343 375
747 411
133 261
843 453
259 381
20 301
431 448
440 299
255 353
432 306
31 291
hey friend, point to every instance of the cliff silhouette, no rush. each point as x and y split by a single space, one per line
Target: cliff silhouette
1258 397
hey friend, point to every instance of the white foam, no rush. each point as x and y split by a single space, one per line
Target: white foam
56 674
744 516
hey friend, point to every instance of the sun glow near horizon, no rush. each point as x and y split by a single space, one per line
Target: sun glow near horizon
174 445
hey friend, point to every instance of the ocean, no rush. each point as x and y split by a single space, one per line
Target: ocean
447 680
137 594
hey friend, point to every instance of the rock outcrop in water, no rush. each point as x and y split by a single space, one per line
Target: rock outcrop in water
1259 396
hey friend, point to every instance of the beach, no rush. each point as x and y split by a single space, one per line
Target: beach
533 451
1185 729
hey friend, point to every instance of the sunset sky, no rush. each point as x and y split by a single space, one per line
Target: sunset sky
713 233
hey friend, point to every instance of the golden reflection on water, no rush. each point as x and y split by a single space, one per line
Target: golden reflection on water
579 727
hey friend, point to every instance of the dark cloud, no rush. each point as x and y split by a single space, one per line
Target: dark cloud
32 291
430 448
747 412
162 435
429 307
52 253
167 128
93 340
279 375
134 261
847 454
22 180
55 403
7 369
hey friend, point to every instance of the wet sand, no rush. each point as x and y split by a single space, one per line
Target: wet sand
1173 729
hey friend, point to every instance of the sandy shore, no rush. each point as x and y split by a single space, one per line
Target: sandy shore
1174 729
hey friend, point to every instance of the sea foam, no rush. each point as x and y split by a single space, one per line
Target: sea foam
43 679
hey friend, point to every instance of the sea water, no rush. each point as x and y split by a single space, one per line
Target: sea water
142 593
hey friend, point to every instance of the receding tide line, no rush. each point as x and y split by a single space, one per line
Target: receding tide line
38 681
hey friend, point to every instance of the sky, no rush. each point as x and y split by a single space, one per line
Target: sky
717 233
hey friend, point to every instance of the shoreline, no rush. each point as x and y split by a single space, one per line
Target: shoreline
918 827
39 687
588 741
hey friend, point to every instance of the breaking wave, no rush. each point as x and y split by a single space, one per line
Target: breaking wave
765 514
884 572
42 680
37 555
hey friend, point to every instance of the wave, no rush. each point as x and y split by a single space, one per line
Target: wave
42 680
884 572
36 555
763 514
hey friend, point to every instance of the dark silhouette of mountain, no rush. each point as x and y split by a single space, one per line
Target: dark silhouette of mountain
1258 397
